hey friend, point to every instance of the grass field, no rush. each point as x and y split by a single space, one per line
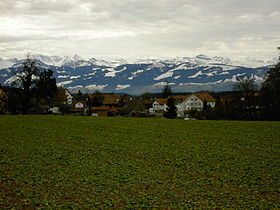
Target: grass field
86 162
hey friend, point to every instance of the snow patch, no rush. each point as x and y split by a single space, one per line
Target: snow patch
63 76
162 84
164 75
61 84
196 75
120 87
75 77
11 80
61 72
112 72
96 87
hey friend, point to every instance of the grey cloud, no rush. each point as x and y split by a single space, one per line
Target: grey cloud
28 38
160 26
47 6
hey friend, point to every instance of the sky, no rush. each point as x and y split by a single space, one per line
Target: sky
140 28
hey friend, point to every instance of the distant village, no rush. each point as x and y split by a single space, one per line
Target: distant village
109 104
42 96
188 106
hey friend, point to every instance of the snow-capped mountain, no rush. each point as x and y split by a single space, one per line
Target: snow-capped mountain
143 75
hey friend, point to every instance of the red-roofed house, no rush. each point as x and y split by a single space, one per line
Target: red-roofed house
184 103
158 106
195 101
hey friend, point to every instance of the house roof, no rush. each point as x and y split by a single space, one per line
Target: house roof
179 98
111 99
227 100
161 100
147 101
100 108
205 96
115 109
133 106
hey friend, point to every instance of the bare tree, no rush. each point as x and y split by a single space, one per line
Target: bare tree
247 89
26 79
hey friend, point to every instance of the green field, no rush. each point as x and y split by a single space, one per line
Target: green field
86 162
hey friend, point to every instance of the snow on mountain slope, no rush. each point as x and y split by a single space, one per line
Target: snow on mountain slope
6 63
142 75
164 75
121 87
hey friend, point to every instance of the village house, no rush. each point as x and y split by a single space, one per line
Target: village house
158 106
184 103
100 111
64 97
79 105
134 108
104 104
196 100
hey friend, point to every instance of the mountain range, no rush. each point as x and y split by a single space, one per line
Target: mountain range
184 74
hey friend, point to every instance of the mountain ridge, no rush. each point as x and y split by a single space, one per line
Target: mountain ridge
184 74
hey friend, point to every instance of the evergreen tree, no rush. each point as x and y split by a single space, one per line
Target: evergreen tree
219 110
205 105
166 91
98 99
206 110
171 108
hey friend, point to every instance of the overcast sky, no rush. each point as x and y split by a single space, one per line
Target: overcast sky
139 28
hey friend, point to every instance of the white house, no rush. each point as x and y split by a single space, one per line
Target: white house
184 103
65 97
79 105
158 106
204 96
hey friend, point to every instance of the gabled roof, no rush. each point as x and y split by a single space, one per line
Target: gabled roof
111 99
179 98
227 100
205 96
161 101
108 98
133 106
